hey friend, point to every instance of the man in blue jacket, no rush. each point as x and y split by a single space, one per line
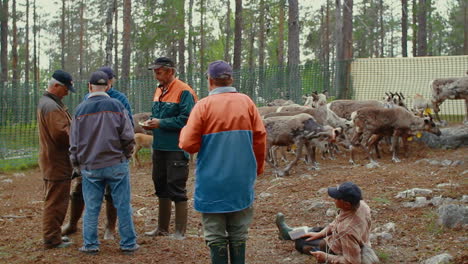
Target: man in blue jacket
101 142
77 203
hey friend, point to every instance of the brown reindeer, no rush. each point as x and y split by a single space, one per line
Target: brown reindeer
372 123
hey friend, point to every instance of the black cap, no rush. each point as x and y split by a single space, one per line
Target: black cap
65 78
98 78
161 62
108 70
347 191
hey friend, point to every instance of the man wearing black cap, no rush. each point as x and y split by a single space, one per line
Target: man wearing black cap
53 121
101 142
343 239
77 203
172 103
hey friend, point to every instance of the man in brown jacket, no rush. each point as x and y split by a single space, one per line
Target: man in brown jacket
53 121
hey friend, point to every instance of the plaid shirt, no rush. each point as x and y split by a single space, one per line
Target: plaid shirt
347 234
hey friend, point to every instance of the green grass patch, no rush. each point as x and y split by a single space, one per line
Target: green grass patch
383 256
432 226
382 200
18 146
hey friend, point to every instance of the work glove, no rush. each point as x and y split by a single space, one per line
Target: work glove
76 172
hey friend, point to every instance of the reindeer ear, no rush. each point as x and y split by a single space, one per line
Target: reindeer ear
315 92
387 94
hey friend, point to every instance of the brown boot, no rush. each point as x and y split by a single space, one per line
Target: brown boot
180 220
111 214
76 209
164 218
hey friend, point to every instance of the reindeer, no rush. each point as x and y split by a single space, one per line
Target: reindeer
449 88
141 141
372 123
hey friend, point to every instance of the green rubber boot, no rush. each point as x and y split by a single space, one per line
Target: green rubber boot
282 227
219 253
237 252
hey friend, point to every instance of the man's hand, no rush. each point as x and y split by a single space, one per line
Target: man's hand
311 236
76 173
319 255
151 124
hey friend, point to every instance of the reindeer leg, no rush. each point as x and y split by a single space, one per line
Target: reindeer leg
135 156
395 147
365 139
466 112
311 153
374 141
299 144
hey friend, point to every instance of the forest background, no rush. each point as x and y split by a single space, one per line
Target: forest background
39 36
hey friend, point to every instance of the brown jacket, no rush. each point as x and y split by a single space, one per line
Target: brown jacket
53 121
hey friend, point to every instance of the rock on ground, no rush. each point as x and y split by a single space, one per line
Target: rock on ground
439 259
453 215
451 138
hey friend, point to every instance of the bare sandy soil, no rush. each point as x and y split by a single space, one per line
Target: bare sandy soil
417 236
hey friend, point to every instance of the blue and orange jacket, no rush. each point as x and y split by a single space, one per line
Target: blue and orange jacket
173 108
227 131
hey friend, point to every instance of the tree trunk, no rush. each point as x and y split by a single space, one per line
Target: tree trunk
326 47
347 45
227 48
202 38
238 37
35 64
339 50
415 28
81 47
181 34
422 33
109 31
465 28
4 41
190 45
116 40
126 38
14 48
281 34
295 92
404 28
26 47
261 35
382 31
62 36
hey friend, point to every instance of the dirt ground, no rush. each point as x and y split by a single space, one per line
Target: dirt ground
417 236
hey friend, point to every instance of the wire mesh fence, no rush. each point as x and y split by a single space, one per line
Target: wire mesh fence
358 79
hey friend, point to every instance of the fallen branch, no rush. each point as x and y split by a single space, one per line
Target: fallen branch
16 216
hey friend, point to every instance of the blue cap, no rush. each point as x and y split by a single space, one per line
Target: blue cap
65 78
347 191
98 78
219 70
108 70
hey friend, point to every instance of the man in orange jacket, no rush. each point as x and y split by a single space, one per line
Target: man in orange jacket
227 131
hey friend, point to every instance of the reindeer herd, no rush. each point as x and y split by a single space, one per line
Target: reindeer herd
343 125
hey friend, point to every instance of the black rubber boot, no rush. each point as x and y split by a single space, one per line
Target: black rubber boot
111 213
237 252
180 220
219 253
282 227
164 218
76 209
